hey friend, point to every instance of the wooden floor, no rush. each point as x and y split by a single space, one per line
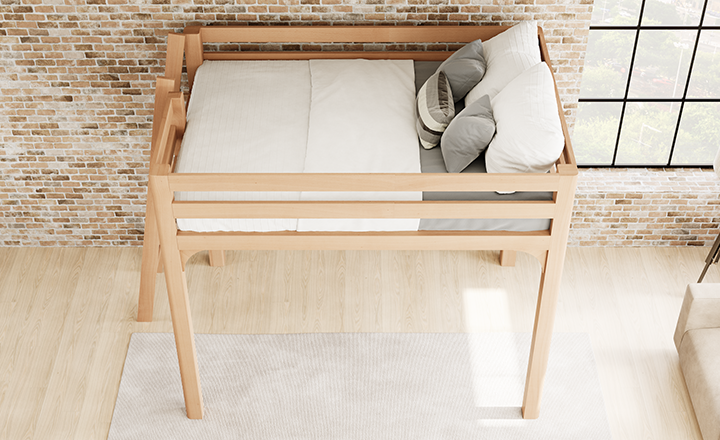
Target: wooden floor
66 316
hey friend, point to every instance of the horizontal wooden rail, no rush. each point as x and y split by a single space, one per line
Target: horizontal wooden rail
345 34
363 182
421 240
298 55
362 209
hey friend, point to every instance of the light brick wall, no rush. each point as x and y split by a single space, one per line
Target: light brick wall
646 207
76 84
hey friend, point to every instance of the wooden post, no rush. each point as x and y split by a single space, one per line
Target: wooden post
508 258
150 261
548 294
177 295
217 258
151 243
193 52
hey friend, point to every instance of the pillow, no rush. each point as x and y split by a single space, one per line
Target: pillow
508 54
434 109
468 135
464 68
529 137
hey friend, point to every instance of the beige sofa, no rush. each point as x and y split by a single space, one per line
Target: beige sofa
697 338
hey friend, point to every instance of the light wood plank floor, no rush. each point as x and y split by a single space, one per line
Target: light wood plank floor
66 316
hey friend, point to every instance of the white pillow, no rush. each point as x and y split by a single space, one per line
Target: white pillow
507 55
529 136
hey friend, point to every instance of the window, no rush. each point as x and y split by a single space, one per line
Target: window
650 92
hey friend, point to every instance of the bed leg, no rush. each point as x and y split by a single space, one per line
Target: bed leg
507 258
178 297
217 258
150 262
542 333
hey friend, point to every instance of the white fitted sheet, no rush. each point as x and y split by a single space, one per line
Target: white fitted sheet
245 117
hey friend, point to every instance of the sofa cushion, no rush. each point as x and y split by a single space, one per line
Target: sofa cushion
700 309
700 363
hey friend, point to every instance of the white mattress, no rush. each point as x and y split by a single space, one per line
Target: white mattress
299 116
362 119
233 120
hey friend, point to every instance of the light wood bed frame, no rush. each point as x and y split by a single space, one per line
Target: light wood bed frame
164 241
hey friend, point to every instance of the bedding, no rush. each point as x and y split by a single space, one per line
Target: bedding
435 109
507 55
468 135
525 117
366 127
307 100
232 120
465 68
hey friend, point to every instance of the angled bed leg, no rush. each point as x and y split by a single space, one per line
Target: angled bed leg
150 262
178 297
507 258
542 335
217 258
548 293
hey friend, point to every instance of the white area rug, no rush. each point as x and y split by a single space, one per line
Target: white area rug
359 386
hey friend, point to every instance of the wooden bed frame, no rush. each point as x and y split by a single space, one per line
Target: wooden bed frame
164 241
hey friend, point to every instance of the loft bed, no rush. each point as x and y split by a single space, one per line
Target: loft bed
170 246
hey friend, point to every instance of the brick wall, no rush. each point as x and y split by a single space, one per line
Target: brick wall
646 207
76 81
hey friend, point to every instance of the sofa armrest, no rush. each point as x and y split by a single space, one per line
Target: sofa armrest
700 309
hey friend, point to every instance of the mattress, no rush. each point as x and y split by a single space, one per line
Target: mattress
362 119
233 117
232 126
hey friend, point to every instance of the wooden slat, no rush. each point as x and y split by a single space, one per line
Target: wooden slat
178 297
297 55
163 88
347 34
193 53
567 155
362 209
170 128
421 240
363 182
174 59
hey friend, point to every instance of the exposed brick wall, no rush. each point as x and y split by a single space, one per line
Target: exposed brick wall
76 81
646 207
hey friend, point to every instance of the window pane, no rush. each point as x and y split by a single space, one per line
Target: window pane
672 13
712 14
616 12
606 64
705 78
647 133
699 135
661 64
595 132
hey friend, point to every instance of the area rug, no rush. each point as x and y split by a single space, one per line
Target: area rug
359 386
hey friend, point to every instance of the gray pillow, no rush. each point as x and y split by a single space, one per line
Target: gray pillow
468 135
434 108
465 68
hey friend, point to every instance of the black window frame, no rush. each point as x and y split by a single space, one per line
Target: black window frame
638 27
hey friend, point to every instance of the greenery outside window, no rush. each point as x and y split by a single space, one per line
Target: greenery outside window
650 92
